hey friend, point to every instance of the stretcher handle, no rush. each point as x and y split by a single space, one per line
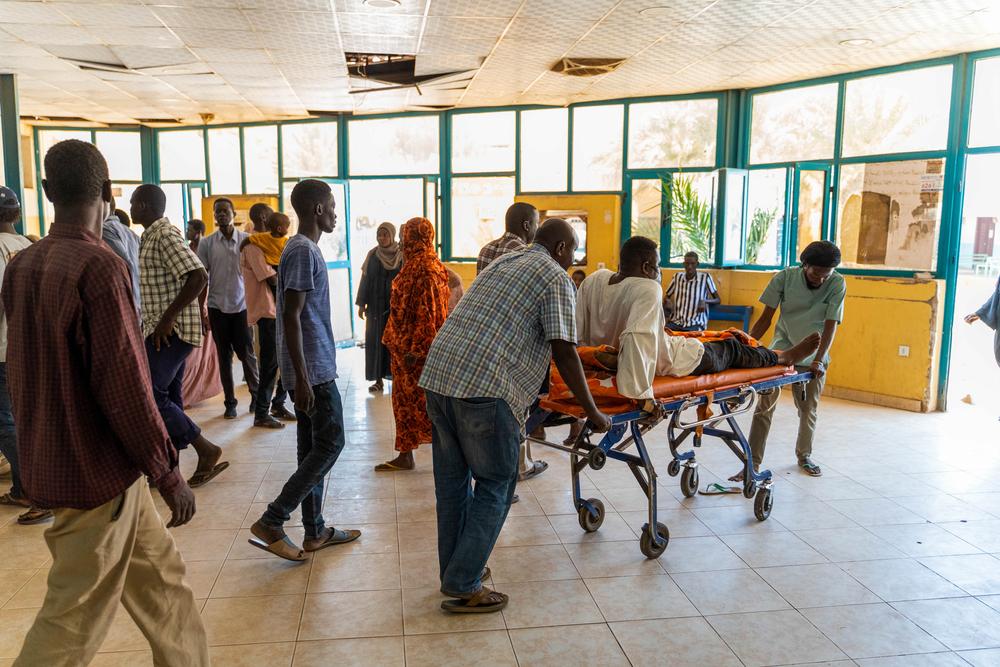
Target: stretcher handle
746 406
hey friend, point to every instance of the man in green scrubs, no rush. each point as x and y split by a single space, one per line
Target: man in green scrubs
811 300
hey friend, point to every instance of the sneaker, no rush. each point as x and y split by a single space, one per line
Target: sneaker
230 412
282 413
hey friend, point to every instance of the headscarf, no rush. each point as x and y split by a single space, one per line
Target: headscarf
420 293
391 257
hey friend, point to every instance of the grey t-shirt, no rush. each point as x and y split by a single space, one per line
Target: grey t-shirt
303 269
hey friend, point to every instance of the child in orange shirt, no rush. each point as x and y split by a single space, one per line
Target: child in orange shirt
272 242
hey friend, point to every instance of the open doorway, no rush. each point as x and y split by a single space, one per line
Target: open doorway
974 376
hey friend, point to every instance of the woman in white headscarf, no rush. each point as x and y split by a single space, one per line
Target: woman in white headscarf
377 273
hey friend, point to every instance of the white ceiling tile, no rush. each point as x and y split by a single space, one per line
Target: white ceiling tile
553 11
137 57
379 44
149 37
35 13
373 24
561 30
221 39
433 64
465 28
743 13
206 18
51 34
442 46
408 7
289 55
214 55
89 52
114 16
310 23
288 5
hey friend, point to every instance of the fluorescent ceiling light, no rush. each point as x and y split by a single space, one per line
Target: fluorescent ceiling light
382 4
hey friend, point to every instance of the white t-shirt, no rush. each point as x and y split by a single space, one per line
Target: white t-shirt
10 245
629 316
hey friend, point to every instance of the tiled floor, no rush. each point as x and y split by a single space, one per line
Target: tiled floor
889 559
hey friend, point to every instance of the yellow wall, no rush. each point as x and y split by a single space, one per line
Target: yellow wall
241 203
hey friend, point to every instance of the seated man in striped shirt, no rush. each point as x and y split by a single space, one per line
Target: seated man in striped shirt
689 296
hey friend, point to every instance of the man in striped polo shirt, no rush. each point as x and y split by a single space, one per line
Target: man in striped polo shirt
689 296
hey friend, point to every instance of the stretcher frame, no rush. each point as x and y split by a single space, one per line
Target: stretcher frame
630 428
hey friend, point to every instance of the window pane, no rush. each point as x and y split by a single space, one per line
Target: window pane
478 206
260 151
812 198
896 113
182 155
691 227
123 198
224 161
794 124
597 147
394 145
984 129
49 138
175 203
647 208
123 153
309 149
482 142
890 214
766 212
736 185
544 150
672 134
979 251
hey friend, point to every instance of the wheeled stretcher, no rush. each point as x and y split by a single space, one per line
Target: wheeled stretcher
717 400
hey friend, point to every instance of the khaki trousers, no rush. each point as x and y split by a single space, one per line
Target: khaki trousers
120 551
807 408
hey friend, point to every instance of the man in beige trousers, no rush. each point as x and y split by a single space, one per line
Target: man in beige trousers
89 435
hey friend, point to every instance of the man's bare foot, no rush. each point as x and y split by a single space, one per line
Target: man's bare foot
797 353
208 454
402 462
267 534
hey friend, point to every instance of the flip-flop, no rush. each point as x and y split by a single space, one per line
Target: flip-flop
537 468
484 601
34 516
11 501
336 536
811 469
283 548
388 466
201 478
716 489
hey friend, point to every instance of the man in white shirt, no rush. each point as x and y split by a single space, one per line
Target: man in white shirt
623 310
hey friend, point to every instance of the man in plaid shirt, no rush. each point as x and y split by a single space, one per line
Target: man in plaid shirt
89 435
170 279
482 373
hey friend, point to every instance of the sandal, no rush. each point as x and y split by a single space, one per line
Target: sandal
376 388
283 548
203 477
34 516
716 489
331 537
10 500
810 468
537 468
389 466
483 601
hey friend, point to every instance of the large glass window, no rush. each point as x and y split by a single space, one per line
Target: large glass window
260 158
766 216
692 227
647 208
224 161
123 152
182 155
544 150
597 147
897 113
794 124
984 128
406 145
309 149
890 214
478 205
672 134
49 138
482 142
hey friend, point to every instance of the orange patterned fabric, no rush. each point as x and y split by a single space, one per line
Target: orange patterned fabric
709 336
418 306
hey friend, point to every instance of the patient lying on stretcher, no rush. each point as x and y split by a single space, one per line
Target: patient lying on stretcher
623 310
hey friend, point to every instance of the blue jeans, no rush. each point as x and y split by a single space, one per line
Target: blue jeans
8 439
473 439
320 437
166 369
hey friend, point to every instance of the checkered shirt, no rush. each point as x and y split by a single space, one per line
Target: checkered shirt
164 262
498 247
495 343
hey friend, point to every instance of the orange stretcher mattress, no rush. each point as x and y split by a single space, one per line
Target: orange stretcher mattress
604 385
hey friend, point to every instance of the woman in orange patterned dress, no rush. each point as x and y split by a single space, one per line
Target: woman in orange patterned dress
418 306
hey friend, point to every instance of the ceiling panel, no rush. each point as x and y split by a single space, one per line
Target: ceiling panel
50 34
215 55
149 37
307 23
34 13
221 39
206 18
117 15
373 24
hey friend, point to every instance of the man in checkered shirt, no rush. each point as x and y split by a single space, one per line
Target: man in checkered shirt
171 277
482 373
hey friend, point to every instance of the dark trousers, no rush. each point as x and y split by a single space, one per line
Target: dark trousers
232 335
8 439
267 337
731 353
320 439
166 369
677 327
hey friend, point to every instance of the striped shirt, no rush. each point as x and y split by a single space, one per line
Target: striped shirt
495 344
165 260
687 295
497 248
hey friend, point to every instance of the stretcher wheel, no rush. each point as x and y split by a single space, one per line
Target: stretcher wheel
649 548
762 504
588 521
673 468
597 458
689 482
749 488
